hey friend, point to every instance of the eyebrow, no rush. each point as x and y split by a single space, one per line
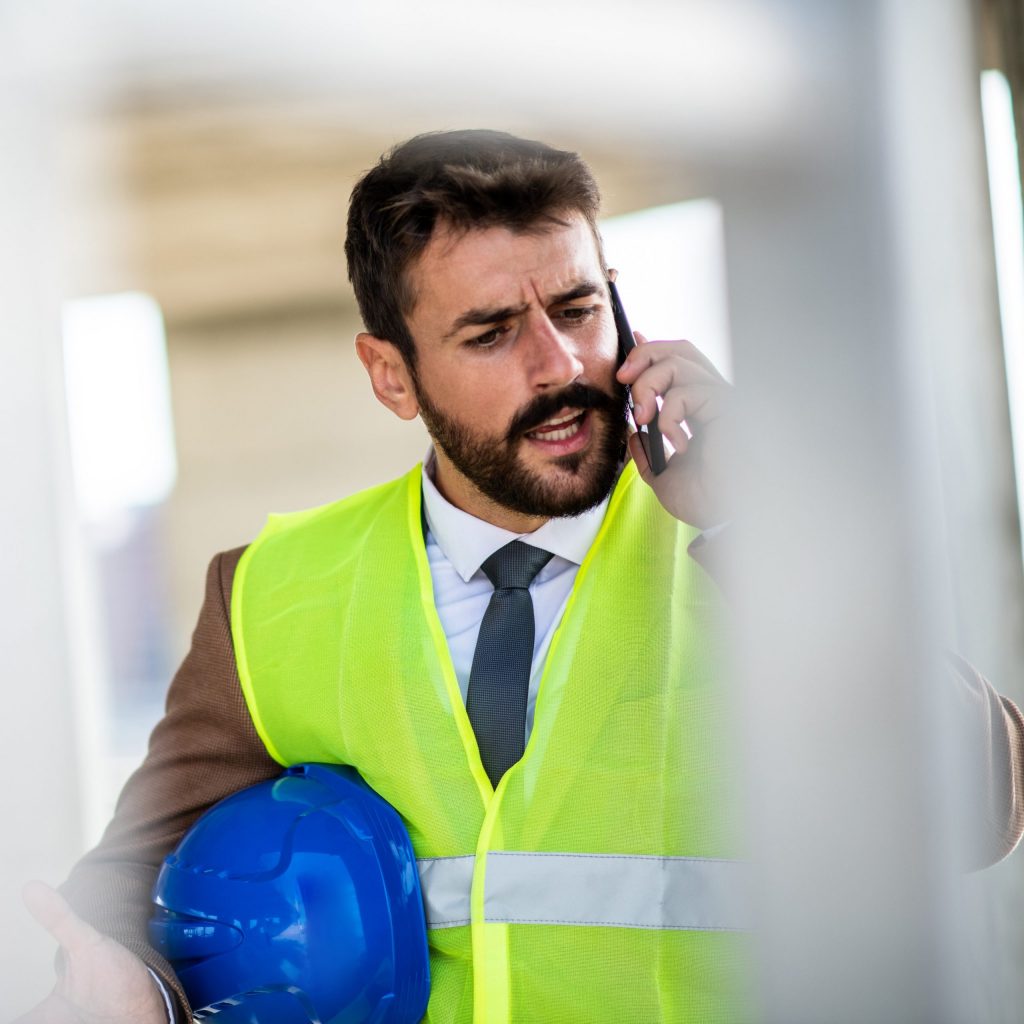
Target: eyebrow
481 316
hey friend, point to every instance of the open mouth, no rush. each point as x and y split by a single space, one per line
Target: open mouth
559 428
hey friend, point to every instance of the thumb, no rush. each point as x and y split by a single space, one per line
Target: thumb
54 913
639 456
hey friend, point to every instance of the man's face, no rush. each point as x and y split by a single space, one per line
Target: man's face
514 379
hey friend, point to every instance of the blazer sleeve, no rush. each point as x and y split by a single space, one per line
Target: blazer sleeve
203 749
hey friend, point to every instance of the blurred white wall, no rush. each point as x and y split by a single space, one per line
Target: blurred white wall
40 798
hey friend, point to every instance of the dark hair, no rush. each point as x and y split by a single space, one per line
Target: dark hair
467 179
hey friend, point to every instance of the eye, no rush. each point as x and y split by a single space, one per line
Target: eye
577 314
488 339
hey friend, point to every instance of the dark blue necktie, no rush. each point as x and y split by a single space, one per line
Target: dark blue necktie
499 681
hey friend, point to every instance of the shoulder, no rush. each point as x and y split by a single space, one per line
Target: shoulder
220 575
306 536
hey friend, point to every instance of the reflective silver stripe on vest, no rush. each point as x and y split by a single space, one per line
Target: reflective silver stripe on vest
446 882
611 890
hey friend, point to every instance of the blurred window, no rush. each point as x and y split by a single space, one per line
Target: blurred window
671 264
1008 233
121 437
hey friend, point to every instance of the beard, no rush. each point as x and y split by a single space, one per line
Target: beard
573 484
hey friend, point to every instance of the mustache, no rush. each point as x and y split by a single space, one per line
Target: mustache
575 396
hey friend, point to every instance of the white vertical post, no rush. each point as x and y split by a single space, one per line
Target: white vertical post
39 800
865 341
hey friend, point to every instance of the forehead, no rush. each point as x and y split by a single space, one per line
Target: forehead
498 266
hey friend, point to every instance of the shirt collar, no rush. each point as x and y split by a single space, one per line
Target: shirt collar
466 541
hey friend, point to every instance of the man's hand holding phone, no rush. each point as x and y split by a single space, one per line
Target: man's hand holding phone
692 486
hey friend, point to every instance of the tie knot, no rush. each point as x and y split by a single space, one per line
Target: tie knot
515 565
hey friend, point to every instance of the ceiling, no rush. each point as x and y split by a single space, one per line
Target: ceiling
208 150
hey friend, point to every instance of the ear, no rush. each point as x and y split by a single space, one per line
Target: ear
389 376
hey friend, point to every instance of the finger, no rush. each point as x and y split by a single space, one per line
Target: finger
661 377
639 456
647 353
638 360
656 380
645 389
694 403
54 913
687 350
675 434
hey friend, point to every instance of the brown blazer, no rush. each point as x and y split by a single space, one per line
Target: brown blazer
206 747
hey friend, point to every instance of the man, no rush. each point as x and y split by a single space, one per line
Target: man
480 277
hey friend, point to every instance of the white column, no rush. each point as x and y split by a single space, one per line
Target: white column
876 476
39 799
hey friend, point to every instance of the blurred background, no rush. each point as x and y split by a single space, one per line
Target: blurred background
807 190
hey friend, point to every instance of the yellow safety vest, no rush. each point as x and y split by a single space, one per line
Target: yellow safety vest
594 885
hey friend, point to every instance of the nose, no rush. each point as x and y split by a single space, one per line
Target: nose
553 359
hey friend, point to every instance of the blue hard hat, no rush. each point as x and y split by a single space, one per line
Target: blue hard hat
296 901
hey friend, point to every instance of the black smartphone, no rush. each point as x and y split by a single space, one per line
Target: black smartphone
650 435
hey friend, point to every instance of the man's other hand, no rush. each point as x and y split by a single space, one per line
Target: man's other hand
692 486
101 983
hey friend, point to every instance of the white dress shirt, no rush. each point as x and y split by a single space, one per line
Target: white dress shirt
459 543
